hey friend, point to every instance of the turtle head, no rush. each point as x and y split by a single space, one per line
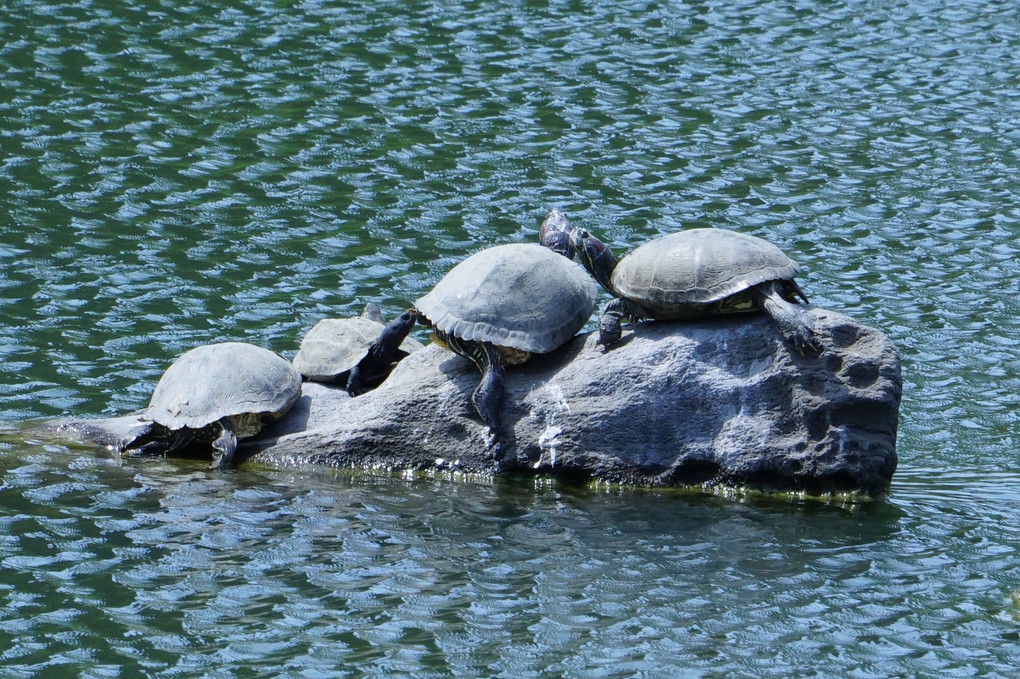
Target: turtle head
378 361
595 256
555 233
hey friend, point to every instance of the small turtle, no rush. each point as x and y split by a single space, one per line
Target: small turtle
496 308
335 345
213 395
690 274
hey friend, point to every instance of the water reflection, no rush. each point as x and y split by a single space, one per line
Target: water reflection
167 561
188 568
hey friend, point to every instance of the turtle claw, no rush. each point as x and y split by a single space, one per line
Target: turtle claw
799 332
610 330
355 383
804 342
489 410
493 445
150 449
607 343
794 323
224 449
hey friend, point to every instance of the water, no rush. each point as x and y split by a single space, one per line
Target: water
174 174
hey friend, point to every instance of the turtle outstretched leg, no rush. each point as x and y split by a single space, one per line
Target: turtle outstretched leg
150 449
153 440
793 322
611 320
488 396
224 447
381 355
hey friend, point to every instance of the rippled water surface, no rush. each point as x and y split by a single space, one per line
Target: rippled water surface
178 173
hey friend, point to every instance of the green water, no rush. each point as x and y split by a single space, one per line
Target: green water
180 173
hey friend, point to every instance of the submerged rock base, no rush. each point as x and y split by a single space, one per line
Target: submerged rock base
719 402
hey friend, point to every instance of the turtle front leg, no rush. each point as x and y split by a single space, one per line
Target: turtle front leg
153 440
151 448
381 355
225 446
144 439
794 323
610 323
611 320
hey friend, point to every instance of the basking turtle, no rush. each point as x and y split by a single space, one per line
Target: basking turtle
555 233
496 308
335 345
213 395
689 274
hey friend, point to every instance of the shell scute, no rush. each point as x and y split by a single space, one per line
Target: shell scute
699 266
522 296
214 381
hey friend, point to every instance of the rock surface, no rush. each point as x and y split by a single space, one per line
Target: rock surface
718 402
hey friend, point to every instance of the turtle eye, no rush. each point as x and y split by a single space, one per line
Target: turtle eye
583 234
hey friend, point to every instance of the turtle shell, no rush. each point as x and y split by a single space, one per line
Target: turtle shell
335 345
214 381
673 273
521 296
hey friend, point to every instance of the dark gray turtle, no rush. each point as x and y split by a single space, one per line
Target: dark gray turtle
496 308
690 274
213 395
335 345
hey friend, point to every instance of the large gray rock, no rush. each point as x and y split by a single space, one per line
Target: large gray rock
720 402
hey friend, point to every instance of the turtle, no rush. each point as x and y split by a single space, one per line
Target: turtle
695 273
496 308
335 345
213 395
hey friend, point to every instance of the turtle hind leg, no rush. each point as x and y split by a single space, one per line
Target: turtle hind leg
794 323
381 355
